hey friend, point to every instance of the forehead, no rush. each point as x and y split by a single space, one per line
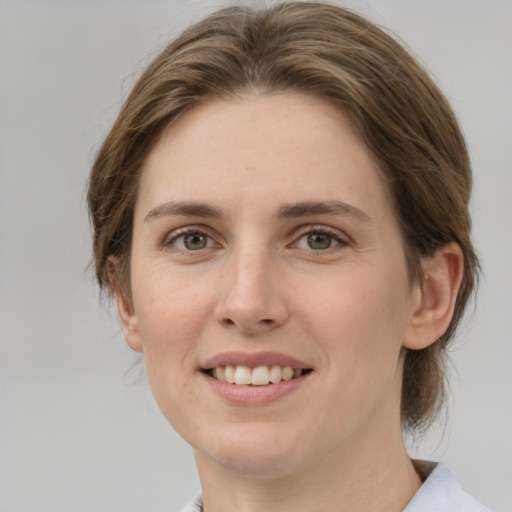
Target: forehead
290 147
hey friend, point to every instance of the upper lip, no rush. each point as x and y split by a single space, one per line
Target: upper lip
253 360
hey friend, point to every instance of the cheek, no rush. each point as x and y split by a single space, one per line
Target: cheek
171 314
356 320
357 300
359 321
171 317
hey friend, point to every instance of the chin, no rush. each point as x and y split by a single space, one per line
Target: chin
253 450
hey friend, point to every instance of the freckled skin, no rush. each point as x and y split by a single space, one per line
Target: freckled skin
258 285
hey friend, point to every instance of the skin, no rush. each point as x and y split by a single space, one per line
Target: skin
261 283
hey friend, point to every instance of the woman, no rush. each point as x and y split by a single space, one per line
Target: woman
281 211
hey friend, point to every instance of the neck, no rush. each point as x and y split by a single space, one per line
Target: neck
378 477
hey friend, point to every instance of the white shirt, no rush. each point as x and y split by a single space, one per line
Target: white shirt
441 492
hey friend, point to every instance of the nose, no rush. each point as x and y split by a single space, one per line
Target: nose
250 297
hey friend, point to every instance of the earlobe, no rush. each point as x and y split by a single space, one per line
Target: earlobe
434 298
129 324
127 316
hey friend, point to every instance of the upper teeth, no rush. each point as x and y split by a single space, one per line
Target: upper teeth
259 376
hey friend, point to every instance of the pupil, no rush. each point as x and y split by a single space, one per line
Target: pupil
195 241
319 241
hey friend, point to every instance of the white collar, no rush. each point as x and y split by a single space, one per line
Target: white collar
441 492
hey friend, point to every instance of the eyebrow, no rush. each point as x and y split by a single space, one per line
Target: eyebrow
287 211
183 208
307 208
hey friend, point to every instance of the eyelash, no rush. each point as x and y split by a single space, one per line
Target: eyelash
171 242
323 230
333 234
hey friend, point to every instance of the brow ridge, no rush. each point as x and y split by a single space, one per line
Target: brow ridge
307 208
286 211
184 208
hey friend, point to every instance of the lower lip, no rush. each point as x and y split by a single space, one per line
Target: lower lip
255 395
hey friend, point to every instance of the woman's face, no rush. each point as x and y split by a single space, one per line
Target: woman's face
264 238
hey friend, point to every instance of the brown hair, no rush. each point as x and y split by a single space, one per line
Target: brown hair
324 50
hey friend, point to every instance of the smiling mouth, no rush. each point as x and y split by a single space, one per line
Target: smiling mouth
259 376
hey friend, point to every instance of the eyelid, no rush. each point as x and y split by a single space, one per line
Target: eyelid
171 237
341 238
322 228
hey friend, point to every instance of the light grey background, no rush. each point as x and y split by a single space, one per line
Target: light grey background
73 435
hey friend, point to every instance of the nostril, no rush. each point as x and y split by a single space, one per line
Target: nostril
249 327
264 321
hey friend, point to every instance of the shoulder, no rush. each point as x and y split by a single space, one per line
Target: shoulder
441 492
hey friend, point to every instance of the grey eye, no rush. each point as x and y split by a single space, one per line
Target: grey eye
320 241
193 241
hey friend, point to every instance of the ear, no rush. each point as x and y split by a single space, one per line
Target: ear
127 317
434 298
